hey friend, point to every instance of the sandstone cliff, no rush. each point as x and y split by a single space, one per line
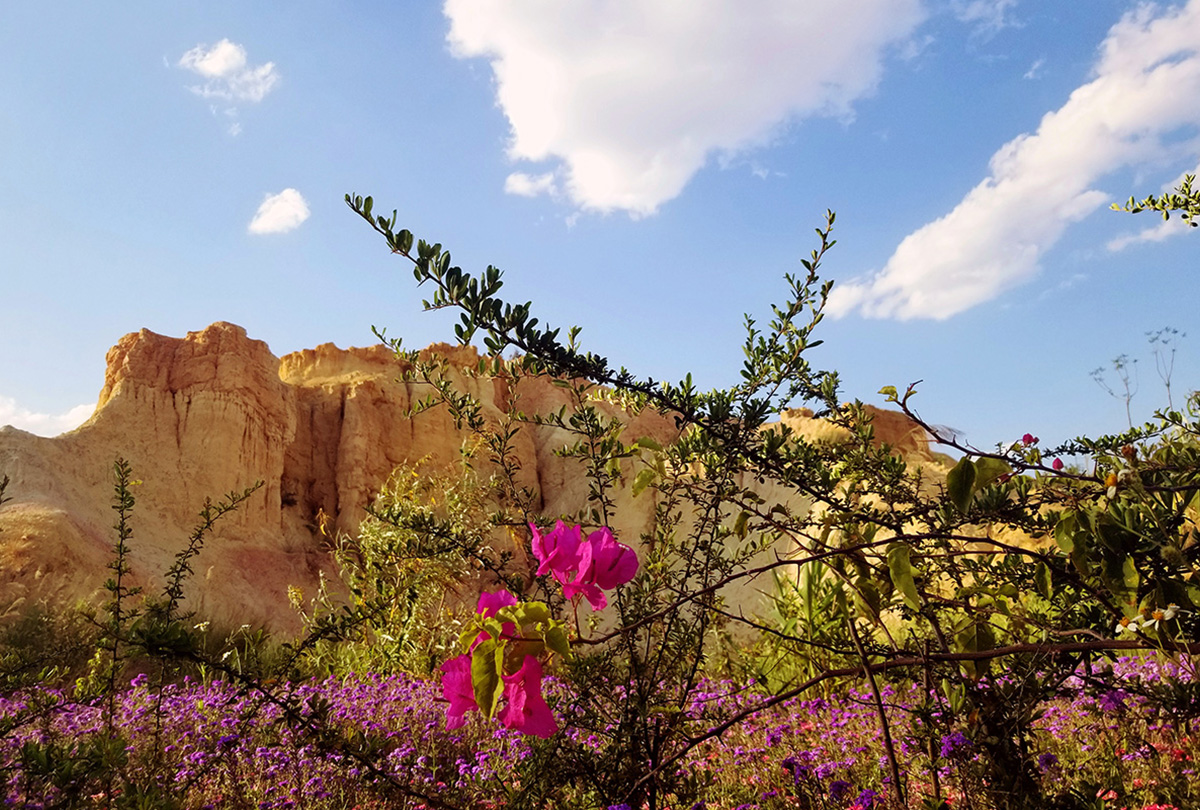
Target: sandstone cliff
214 412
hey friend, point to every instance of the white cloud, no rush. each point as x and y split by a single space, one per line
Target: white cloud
1035 70
632 98
280 213
42 424
224 66
527 185
221 60
1146 88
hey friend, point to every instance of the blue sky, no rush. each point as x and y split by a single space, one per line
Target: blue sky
647 170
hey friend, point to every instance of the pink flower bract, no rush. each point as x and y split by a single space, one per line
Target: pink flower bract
458 689
588 567
589 589
490 603
527 711
557 550
612 563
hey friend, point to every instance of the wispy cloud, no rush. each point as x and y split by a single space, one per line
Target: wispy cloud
280 213
985 16
527 185
1146 87
630 99
1164 229
228 77
1035 70
42 424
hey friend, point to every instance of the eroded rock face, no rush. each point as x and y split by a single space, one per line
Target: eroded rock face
214 412
196 417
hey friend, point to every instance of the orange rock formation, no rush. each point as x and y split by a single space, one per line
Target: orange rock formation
214 412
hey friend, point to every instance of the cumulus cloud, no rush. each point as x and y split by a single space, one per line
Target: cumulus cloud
280 213
42 424
1145 90
629 99
228 76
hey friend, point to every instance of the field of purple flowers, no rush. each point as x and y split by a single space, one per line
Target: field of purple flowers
1107 739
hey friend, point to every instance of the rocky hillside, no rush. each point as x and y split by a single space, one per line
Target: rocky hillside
215 411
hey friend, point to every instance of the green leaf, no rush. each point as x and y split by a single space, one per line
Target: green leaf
975 637
960 483
968 639
739 526
643 480
1064 534
866 597
530 613
1130 575
467 636
900 568
988 471
494 626
556 640
486 664
1042 580
648 443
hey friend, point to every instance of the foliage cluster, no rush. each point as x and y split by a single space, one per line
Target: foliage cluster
992 589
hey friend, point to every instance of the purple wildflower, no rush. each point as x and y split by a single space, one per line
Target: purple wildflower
955 745
839 789
867 798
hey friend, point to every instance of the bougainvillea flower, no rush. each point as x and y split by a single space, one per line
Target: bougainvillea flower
604 564
527 711
490 603
1057 465
457 688
583 584
557 550
587 567
612 563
